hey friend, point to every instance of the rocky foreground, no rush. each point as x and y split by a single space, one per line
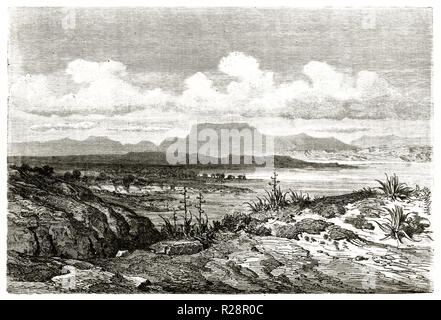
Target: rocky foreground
63 238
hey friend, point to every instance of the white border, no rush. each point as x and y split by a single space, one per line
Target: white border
436 129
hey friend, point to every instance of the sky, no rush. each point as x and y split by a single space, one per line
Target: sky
137 74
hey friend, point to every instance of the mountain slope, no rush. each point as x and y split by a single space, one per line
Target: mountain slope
304 142
388 140
64 147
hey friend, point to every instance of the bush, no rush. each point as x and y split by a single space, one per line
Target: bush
127 181
76 174
303 200
68 176
46 170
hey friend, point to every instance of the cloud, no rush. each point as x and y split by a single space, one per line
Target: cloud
63 126
239 87
344 130
139 129
103 90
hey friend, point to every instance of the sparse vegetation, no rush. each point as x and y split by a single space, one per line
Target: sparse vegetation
368 192
396 225
274 200
395 189
299 198
187 229
128 181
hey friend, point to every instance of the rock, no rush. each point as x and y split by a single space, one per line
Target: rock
257 228
122 253
21 267
178 247
51 218
360 222
330 211
308 225
66 281
339 233
360 258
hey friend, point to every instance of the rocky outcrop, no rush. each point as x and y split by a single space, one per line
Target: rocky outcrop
51 217
293 230
178 247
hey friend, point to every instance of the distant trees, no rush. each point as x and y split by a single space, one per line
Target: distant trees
45 170
76 174
102 176
127 181
68 175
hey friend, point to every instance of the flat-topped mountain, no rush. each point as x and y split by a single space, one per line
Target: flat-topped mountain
103 145
282 144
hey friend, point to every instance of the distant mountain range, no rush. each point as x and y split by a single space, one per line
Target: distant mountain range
64 147
282 144
389 141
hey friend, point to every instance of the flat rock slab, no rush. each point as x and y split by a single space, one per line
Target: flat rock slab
178 247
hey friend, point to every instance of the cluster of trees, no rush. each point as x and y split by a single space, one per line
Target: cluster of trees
221 176
45 170
72 176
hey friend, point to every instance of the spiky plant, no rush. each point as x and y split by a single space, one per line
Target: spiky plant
396 225
367 192
258 206
276 199
395 189
170 230
300 198
202 218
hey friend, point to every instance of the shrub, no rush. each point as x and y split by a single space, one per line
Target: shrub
367 192
127 181
234 222
395 189
46 170
303 200
67 176
76 174
102 176
258 206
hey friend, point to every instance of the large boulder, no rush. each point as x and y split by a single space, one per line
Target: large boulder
51 218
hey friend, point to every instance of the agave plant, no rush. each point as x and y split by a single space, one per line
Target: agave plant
396 225
276 199
394 189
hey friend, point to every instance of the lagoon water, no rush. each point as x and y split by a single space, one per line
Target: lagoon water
337 181
318 182
312 181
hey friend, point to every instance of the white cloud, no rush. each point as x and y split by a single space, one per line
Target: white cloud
64 126
321 91
139 129
83 71
103 91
